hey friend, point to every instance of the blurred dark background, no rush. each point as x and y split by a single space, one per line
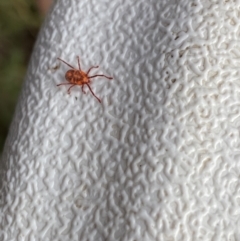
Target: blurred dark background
20 21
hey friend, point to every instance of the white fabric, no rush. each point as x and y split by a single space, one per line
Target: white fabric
159 158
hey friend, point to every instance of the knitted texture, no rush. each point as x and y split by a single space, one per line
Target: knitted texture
158 160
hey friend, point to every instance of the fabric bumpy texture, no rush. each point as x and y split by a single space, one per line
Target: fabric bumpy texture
159 158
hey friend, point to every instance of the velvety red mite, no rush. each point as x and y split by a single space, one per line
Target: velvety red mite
79 77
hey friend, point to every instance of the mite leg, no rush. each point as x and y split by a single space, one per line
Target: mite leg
93 93
64 84
83 90
79 63
100 75
91 69
70 89
66 63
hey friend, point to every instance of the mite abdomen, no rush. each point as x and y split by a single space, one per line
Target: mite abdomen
74 76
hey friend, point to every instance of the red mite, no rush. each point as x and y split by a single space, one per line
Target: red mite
79 77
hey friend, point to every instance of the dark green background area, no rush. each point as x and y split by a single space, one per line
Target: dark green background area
19 25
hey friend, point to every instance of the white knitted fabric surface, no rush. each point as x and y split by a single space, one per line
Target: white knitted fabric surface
159 159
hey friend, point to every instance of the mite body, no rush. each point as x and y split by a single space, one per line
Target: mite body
79 77
76 77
